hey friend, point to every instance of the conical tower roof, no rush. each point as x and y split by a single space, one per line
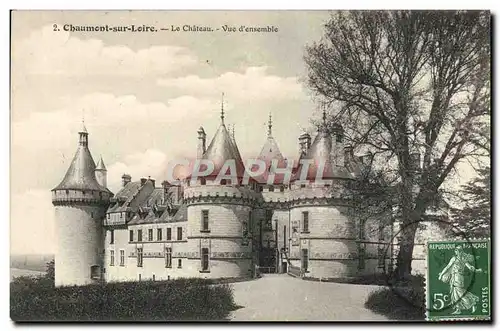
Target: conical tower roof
80 174
321 153
221 149
270 151
100 165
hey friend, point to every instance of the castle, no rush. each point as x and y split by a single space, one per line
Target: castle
206 229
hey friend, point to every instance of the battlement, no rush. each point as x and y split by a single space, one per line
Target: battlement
64 197
219 193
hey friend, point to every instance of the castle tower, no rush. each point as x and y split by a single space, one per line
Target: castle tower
323 232
218 215
101 173
80 205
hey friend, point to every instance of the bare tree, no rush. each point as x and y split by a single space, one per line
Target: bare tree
407 83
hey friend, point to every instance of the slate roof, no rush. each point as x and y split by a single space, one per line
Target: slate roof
81 172
321 154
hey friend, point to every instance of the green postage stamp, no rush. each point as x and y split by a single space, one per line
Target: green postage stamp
458 280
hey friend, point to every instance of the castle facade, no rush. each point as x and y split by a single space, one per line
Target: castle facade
227 229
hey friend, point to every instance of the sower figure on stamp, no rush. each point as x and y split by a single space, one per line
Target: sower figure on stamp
454 274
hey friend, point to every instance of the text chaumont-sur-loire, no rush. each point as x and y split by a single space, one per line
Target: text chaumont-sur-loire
170 28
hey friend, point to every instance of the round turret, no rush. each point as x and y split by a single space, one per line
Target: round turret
80 205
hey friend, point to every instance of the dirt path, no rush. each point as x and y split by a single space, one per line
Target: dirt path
284 298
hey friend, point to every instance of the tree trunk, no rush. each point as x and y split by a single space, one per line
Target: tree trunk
405 255
408 231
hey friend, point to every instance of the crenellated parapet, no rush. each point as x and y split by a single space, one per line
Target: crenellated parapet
70 197
219 195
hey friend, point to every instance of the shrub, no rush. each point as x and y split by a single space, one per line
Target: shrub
401 301
36 299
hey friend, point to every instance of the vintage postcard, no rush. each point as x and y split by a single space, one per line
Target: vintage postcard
250 166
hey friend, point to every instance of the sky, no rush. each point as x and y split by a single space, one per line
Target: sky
144 95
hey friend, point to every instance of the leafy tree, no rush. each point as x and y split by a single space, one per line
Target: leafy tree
414 88
50 270
475 215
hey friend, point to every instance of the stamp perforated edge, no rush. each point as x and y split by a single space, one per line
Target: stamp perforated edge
426 283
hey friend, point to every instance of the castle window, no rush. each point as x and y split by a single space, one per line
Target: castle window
91 214
302 185
112 258
111 236
381 232
223 182
250 223
139 257
95 272
204 259
67 192
203 181
305 221
83 192
109 216
244 227
282 189
139 235
179 263
159 234
271 188
269 214
305 260
204 221
361 254
361 233
381 257
150 234
122 257
179 233
131 235
169 233
168 257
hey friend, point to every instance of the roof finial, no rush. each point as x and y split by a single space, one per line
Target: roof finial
84 129
222 108
270 125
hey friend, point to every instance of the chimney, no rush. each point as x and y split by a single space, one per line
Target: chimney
366 159
126 179
338 133
348 155
415 162
304 142
202 139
